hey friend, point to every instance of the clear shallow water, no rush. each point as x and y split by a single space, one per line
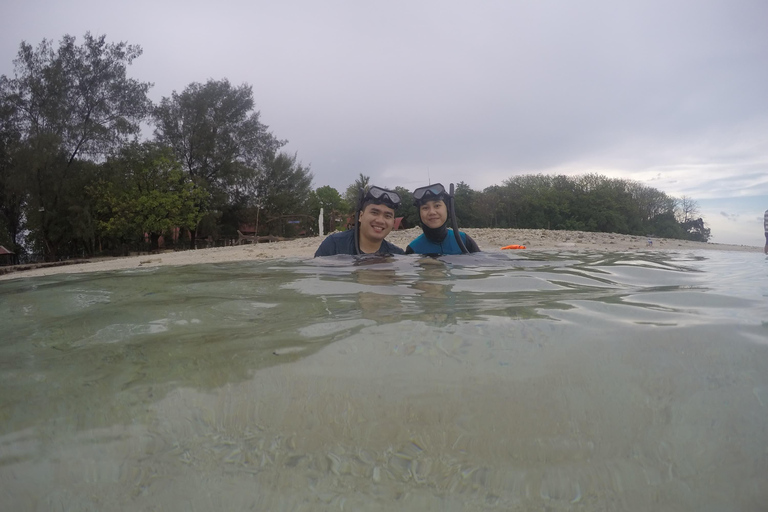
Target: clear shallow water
550 382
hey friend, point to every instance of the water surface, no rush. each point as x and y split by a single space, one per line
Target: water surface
543 381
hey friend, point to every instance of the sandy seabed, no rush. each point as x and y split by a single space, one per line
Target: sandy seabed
489 240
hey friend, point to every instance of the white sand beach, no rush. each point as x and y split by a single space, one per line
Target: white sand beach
490 240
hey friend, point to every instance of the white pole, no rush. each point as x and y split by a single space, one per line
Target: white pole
320 222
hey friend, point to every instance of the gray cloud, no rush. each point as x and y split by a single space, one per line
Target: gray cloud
667 93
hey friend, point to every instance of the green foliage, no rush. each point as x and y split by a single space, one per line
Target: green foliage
283 189
589 202
465 201
69 105
407 209
12 190
352 194
144 190
328 198
333 205
69 113
696 230
217 135
221 143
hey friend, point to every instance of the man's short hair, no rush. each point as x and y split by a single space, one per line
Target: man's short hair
375 201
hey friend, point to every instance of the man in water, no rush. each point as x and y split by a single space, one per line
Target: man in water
765 225
375 219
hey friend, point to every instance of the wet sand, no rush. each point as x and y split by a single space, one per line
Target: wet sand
489 240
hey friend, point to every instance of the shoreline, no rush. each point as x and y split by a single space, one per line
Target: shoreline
488 239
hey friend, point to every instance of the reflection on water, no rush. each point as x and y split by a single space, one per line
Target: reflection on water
546 382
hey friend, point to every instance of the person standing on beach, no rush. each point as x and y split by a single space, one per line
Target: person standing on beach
375 218
765 225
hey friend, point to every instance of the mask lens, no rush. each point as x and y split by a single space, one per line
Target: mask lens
434 190
392 198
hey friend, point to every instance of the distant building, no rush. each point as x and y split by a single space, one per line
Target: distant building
6 256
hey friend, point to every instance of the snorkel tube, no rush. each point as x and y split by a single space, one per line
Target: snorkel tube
360 196
454 222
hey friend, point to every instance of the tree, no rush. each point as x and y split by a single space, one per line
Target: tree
352 195
465 200
144 191
12 192
649 202
686 209
407 209
490 206
333 205
283 189
696 230
71 104
218 138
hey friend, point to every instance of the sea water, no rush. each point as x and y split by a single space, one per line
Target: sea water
529 381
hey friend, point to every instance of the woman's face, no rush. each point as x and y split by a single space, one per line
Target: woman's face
433 213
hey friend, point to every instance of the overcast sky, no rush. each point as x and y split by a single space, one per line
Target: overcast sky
673 94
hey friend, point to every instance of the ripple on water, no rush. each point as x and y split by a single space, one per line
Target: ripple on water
545 381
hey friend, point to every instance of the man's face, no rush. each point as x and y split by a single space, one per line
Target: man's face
376 221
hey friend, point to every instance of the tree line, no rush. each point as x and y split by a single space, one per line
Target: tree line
588 202
77 179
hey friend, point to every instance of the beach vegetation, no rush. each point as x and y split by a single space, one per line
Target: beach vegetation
352 194
585 202
283 190
407 210
221 143
588 202
78 177
141 195
68 106
333 205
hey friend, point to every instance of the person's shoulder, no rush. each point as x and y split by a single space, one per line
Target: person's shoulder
470 243
392 248
417 244
326 247
340 235
334 244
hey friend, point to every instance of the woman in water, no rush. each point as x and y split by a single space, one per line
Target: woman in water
435 205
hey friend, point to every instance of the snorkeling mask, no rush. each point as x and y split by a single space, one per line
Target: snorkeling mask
381 196
429 193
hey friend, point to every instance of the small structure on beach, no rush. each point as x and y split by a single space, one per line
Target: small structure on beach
6 256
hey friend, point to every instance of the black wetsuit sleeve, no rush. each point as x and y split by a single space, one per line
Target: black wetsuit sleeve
392 248
327 248
471 244
337 243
